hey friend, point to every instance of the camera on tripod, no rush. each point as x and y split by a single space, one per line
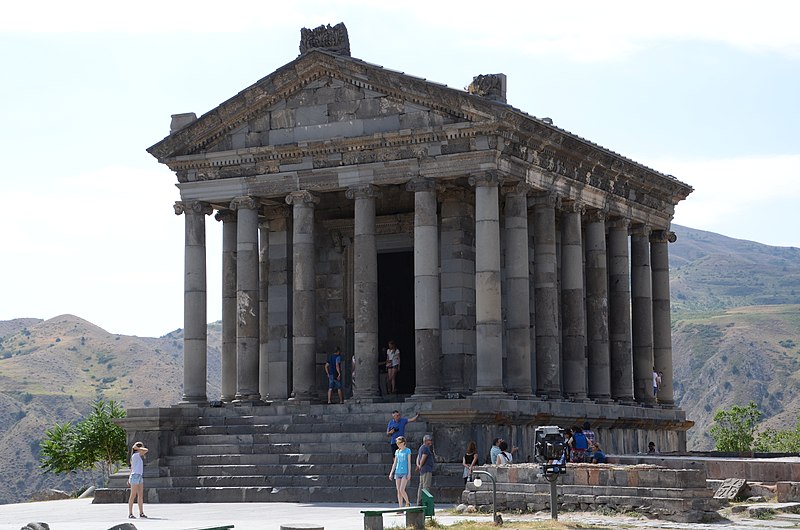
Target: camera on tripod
550 449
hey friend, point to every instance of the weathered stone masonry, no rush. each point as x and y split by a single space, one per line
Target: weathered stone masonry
524 288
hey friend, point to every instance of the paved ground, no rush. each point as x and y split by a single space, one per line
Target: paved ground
81 514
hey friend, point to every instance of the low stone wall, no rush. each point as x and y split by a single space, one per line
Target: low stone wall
673 494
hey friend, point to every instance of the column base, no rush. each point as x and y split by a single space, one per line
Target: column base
603 400
424 396
193 400
523 396
247 399
496 394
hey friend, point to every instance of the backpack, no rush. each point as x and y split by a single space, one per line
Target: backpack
579 439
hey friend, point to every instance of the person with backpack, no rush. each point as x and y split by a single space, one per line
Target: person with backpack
333 368
579 445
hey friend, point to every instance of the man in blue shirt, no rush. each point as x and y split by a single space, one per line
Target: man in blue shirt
397 427
333 368
425 463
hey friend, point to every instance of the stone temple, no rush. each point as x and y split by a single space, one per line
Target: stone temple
521 269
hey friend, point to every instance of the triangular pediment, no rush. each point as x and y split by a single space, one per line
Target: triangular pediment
322 97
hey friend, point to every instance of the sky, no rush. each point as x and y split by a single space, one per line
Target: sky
706 91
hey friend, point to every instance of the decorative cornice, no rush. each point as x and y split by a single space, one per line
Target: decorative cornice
195 207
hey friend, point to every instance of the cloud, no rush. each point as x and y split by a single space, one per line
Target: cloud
753 197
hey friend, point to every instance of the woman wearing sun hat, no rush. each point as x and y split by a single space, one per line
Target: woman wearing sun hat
135 481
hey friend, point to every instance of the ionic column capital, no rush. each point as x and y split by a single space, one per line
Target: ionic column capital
245 203
641 230
547 199
572 206
421 184
225 216
594 215
301 197
517 188
276 211
663 236
197 207
363 191
485 179
622 223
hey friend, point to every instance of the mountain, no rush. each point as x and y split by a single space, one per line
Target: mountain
736 337
735 329
51 371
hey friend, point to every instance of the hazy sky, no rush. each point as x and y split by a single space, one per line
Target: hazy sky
706 91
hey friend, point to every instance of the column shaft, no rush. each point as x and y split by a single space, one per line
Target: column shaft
518 324
247 303
228 353
597 308
662 321
573 319
365 291
488 303
642 311
457 292
263 309
279 305
545 280
304 302
619 319
428 352
195 334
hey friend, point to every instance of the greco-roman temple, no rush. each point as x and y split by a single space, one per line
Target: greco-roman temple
521 269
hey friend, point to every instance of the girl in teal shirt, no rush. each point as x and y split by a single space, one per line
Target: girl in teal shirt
401 471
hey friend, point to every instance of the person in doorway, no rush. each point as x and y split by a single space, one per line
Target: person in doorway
393 365
401 471
655 382
397 427
425 463
651 448
333 368
469 460
135 481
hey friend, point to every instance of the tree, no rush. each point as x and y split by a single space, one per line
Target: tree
94 442
775 441
734 429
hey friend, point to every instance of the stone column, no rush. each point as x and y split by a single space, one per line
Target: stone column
662 321
488 308
619 317
365 290
545 281
642 311
247 305
195 334
518 323
228 353
263 308
427 339
597 307
457 314
279 304
304 305
573 316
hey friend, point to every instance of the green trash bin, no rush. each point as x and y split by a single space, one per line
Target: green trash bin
427 503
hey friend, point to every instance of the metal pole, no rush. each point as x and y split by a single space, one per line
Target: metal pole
494 492
553 499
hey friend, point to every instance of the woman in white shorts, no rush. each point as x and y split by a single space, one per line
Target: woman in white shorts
135 481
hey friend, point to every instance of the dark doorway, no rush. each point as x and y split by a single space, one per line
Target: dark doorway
396 313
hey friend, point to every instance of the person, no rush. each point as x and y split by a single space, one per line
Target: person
392 365
397 427
401 471
495 450
353 376
651 448
597 455
333 368
135 480
658 380
503 457
425 463
655 382
469 460
589 433
579 444
568 442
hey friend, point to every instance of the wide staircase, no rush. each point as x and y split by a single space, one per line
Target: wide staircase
288 453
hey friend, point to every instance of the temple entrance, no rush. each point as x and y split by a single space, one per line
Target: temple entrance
396 314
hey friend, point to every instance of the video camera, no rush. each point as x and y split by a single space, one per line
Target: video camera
549 449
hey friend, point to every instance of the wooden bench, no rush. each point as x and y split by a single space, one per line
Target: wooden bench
415 517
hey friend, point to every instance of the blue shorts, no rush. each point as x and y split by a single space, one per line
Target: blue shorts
136 478
398 476
333 383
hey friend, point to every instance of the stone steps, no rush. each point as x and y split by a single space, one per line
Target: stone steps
280 448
